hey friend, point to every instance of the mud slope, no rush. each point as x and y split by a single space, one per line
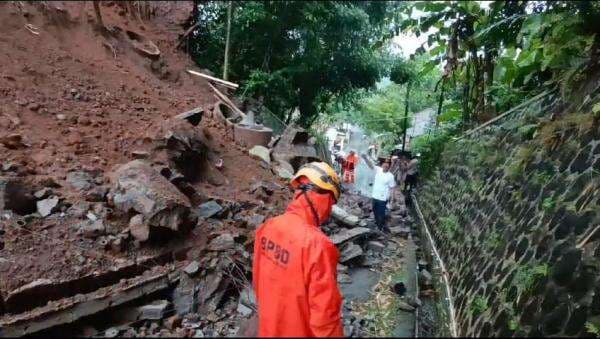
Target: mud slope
74 99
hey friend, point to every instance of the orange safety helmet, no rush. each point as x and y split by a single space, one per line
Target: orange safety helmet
321 175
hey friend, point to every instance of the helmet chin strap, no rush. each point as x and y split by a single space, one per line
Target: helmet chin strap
304 188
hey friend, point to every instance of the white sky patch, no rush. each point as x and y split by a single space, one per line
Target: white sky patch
406 44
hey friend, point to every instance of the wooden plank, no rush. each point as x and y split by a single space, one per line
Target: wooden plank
221 81
227 101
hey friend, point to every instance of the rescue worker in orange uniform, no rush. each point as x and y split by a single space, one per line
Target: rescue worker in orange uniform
295 263
349 166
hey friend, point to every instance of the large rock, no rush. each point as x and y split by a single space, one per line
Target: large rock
47 206
293 147
342 216
139 188
261 152
91 228
154 311
209 209
348 234
184 296
284 170
80 180
349 252
188 150
401 231
222 243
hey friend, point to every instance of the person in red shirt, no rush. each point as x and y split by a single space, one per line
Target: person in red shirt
295 264
349 166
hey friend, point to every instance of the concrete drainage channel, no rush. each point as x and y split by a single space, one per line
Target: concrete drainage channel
404 294
436 316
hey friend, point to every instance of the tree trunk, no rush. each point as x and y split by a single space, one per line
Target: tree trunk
226 61
131 9
440 102
306 106
99 20
406 115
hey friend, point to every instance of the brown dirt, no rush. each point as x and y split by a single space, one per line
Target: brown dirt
119 102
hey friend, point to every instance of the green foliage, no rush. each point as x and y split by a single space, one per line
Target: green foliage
548 204
431 146
592 328
296 53
449 226
596 110
527 131
528 275
541 177
478 306
499 57
523 156
494 240
402 72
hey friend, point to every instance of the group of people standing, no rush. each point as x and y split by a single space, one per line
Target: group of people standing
397 169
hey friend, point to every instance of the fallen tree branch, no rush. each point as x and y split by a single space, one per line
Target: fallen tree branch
186 34
31 28
227 100
109 46
587 238
221 81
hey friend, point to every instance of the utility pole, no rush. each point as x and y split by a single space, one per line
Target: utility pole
226 62
406 114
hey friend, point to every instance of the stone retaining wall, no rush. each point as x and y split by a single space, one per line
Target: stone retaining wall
508 209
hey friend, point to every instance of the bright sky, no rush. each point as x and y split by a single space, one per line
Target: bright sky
407 44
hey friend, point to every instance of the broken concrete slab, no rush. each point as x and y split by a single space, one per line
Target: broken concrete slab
261 153
375 246
187 150
138 229
91 229
138 187
344 278
193 116
349 252
244 310
342 268
222 243
254 220
283 171
47 206
209 209
400 231
192 268
43 193
293 148
74 308
341 215
184 296
248 298
346 234
154 311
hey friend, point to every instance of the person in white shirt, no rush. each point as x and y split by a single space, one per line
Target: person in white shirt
382 192
382 186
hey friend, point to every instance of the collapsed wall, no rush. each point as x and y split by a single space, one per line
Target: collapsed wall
515 215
